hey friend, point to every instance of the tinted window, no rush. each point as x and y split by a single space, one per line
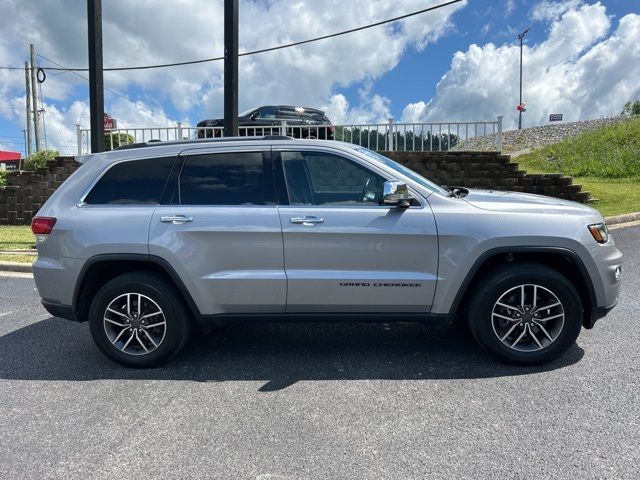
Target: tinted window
316 178
267 112
287 112
403 170
319 118
133 182
223 179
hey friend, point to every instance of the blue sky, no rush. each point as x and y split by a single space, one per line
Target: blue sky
416 76
365 77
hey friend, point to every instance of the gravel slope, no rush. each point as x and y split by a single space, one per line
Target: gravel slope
535 137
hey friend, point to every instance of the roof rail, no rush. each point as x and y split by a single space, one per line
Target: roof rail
155 143
277 137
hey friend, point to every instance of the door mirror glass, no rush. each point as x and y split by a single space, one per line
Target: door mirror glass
396 193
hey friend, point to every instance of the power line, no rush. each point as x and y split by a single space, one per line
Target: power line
263 50
109 89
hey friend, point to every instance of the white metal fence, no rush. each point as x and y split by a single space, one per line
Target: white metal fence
434 136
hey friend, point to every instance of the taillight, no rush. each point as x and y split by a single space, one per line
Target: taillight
42 225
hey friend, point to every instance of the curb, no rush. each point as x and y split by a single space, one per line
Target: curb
625 218
16 267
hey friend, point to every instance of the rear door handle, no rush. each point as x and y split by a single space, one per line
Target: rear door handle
306 220
176 219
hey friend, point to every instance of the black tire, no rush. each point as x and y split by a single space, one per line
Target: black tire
156 290
485 325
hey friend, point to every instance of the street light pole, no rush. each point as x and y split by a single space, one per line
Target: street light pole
521 38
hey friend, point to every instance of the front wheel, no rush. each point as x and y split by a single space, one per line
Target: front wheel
138 320
525 313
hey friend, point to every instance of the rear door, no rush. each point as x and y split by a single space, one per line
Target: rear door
344 252
114 215
220 230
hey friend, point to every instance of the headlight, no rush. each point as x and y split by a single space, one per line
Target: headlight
599 232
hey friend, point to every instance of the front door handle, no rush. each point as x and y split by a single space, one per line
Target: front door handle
306 220
176 219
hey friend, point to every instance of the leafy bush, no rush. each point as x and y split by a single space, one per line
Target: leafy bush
3 178
40 159
114 140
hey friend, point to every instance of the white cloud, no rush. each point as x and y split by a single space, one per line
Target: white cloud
60 122
577 71
374 109
413 112
146 32
552 9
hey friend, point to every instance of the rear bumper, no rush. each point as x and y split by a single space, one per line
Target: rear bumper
56 278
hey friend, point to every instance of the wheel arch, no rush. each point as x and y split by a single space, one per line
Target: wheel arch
100 269
564 261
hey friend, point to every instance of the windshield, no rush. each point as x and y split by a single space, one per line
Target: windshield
403 170
246 114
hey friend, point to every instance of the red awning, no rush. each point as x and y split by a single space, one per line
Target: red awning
4 156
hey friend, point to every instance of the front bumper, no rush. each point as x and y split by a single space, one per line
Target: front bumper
597 314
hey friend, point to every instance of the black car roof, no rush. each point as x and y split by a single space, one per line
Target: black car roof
292 107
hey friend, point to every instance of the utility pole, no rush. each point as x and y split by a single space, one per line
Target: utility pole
27 89
521 38
24 135
230 68
34 97
96 80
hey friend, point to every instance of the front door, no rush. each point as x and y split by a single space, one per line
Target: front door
219 229
344 252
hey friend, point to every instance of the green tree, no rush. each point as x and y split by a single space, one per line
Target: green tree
631 108
114 140
40 159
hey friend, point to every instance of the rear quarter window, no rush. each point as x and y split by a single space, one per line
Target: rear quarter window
137 182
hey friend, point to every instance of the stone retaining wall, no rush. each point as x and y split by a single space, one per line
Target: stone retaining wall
27 191
488 170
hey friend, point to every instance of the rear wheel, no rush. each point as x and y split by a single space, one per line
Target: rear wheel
525 313
139 320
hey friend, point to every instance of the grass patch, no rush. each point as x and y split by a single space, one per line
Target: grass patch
16 237
17 258
615 196
606 162
611 152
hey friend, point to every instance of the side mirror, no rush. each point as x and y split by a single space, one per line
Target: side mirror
396 193
254 115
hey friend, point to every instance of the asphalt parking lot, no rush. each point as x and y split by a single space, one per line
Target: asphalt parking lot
318 401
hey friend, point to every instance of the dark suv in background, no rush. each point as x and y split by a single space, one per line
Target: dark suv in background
302 122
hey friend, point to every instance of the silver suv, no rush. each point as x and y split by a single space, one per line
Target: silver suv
148 241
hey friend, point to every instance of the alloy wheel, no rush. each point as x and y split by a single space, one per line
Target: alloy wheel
528 318
134 324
